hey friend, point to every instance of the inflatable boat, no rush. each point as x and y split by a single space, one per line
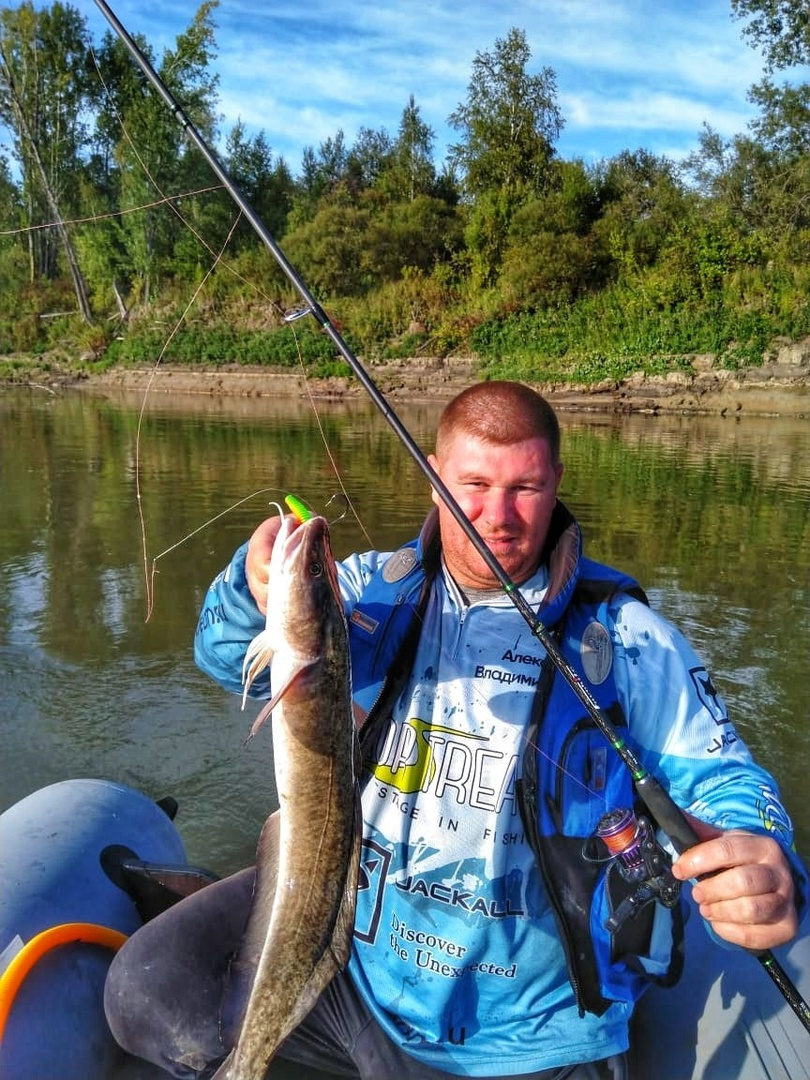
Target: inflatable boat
84 863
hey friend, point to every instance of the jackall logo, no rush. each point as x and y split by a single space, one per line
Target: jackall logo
419 757
371 876
457 897
723 741
709 695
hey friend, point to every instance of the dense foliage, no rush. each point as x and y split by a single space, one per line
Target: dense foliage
118 244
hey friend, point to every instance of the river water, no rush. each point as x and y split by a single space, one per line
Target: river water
109 538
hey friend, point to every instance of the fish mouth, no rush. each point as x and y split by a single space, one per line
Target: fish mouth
308 533
308 550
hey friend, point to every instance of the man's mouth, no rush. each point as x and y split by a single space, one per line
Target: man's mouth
498 541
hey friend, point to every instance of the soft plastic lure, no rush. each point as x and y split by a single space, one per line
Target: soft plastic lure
297 508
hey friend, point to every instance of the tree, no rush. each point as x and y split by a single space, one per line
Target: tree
417 234
331 162
266 183
783 125
9 197
147 153
552 254
781 28
44 92
368 158
12 257
509 123
322 175
330 250
644 201
410 171
764 179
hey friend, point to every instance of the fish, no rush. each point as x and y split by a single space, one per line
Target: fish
301 921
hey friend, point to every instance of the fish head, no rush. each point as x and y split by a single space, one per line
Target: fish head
305 576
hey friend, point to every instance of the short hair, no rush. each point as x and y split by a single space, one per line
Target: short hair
499 412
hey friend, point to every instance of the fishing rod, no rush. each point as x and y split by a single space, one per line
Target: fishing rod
656 798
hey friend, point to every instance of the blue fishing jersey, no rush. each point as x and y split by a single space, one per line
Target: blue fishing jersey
457 949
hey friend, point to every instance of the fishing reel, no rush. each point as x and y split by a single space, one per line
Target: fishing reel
641 862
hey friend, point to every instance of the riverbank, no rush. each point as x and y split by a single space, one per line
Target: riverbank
781 388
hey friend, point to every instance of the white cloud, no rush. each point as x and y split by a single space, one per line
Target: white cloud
641 111
626 69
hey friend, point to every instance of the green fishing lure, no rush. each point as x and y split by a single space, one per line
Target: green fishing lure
298 508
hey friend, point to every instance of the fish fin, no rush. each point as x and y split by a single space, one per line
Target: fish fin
224 1071
260 719
294 673
267 850
258 656
260 651
244 965
341 944
336 957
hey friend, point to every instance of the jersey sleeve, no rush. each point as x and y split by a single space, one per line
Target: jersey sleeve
230 618
679 723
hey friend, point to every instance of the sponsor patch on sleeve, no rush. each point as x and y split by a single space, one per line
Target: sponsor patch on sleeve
709 695
596 652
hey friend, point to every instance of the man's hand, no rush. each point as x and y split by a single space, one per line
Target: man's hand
257 560
746 888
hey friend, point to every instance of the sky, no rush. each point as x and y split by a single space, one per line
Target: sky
630 74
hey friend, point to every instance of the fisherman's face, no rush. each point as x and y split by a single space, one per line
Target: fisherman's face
508 493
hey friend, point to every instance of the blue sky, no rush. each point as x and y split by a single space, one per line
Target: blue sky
630 73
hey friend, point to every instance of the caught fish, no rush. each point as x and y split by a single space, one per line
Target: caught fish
300 926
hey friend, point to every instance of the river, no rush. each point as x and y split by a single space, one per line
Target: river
109 538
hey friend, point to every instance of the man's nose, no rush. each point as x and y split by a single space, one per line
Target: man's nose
499 506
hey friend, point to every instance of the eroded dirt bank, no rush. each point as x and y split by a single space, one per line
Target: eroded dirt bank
774 389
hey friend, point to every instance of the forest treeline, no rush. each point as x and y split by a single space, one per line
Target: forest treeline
117 244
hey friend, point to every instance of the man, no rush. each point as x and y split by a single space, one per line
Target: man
480 946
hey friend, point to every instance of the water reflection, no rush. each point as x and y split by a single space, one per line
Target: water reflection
711 514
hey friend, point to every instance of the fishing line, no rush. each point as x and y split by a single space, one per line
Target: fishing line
138 157
94 219
343 512
657 799
218 259
210 521
149 578
349 504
